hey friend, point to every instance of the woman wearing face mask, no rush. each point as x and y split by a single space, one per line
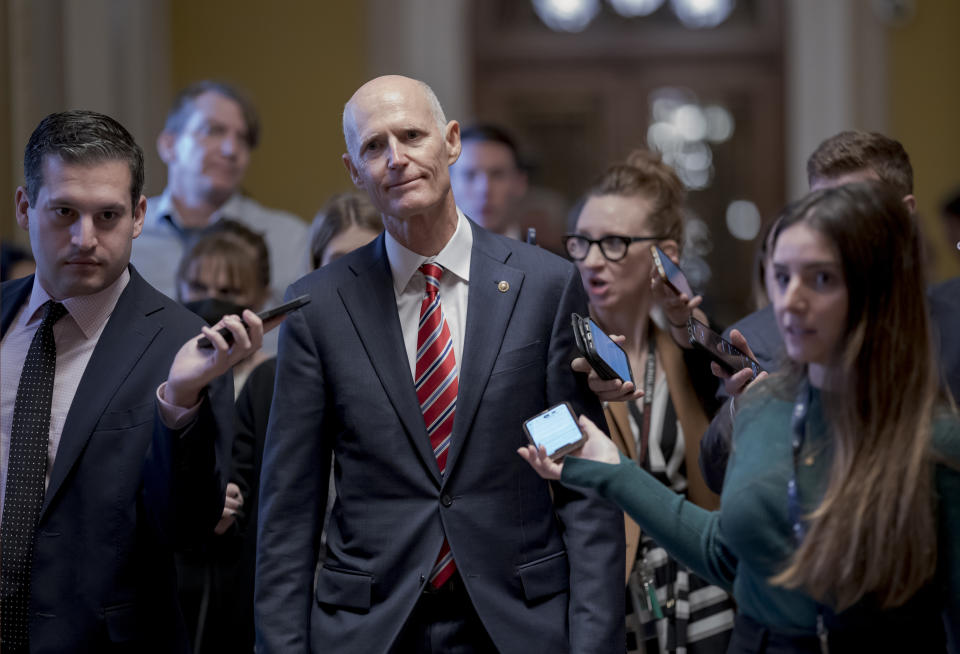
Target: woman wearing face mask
226 271
840 521
632 206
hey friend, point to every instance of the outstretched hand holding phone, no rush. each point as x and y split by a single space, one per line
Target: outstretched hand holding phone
193 368
270 319
735 383
596 448
673 293
607 390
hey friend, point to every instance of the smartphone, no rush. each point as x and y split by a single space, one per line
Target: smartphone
285 308
670 272
556 429
603 355
725 353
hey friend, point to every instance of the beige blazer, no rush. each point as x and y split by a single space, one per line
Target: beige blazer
692 419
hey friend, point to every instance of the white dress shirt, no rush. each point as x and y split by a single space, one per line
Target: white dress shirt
409 286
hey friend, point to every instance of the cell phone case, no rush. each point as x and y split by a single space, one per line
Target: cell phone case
714 357
658 263
563 451
745 361
294 304
584 340
576 322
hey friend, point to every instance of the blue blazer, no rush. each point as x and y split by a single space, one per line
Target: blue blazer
544 573
124 490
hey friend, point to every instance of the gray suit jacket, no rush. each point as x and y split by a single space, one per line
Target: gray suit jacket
344 389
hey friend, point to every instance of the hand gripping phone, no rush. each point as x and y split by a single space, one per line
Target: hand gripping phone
725 353
670 272
603 355
285 308
556 429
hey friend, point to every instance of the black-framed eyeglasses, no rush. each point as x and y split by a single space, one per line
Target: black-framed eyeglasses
613 247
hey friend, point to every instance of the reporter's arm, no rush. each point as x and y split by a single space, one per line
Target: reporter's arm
689 533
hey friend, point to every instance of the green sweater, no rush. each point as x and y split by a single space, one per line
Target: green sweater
749 540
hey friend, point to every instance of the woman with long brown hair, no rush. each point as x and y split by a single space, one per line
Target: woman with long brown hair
632 206
839 528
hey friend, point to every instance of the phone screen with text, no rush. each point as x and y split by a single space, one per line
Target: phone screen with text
554 429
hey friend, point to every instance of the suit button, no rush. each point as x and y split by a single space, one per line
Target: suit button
446 500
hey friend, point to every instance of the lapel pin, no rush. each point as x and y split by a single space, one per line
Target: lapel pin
503 286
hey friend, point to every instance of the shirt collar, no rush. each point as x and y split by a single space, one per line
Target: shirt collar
454 257
166 210
90 312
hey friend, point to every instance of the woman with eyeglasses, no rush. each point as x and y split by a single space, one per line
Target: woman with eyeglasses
839 528
634 205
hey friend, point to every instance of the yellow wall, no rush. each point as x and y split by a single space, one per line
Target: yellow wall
924 71
8 229
299 62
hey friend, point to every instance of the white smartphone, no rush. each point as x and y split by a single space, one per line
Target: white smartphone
556 429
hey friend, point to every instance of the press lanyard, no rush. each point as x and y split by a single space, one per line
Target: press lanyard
649 381
798 423
648 595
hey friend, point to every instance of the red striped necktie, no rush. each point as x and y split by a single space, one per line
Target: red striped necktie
436 384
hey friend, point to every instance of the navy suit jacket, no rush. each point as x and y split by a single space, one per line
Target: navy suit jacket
124 490
344 388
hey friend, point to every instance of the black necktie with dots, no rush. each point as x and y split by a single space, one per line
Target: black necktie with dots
26 478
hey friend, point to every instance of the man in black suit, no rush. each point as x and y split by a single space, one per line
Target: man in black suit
441 539
110 467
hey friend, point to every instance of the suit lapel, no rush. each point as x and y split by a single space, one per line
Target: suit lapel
488 314
126 336
15 293
372 305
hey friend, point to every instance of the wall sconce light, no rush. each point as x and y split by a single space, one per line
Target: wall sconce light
576 15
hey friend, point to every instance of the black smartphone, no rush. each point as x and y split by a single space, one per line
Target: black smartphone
603 355
556 429
725 353
670 272
286 307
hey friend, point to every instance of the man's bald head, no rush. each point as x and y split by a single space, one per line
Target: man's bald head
385 88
